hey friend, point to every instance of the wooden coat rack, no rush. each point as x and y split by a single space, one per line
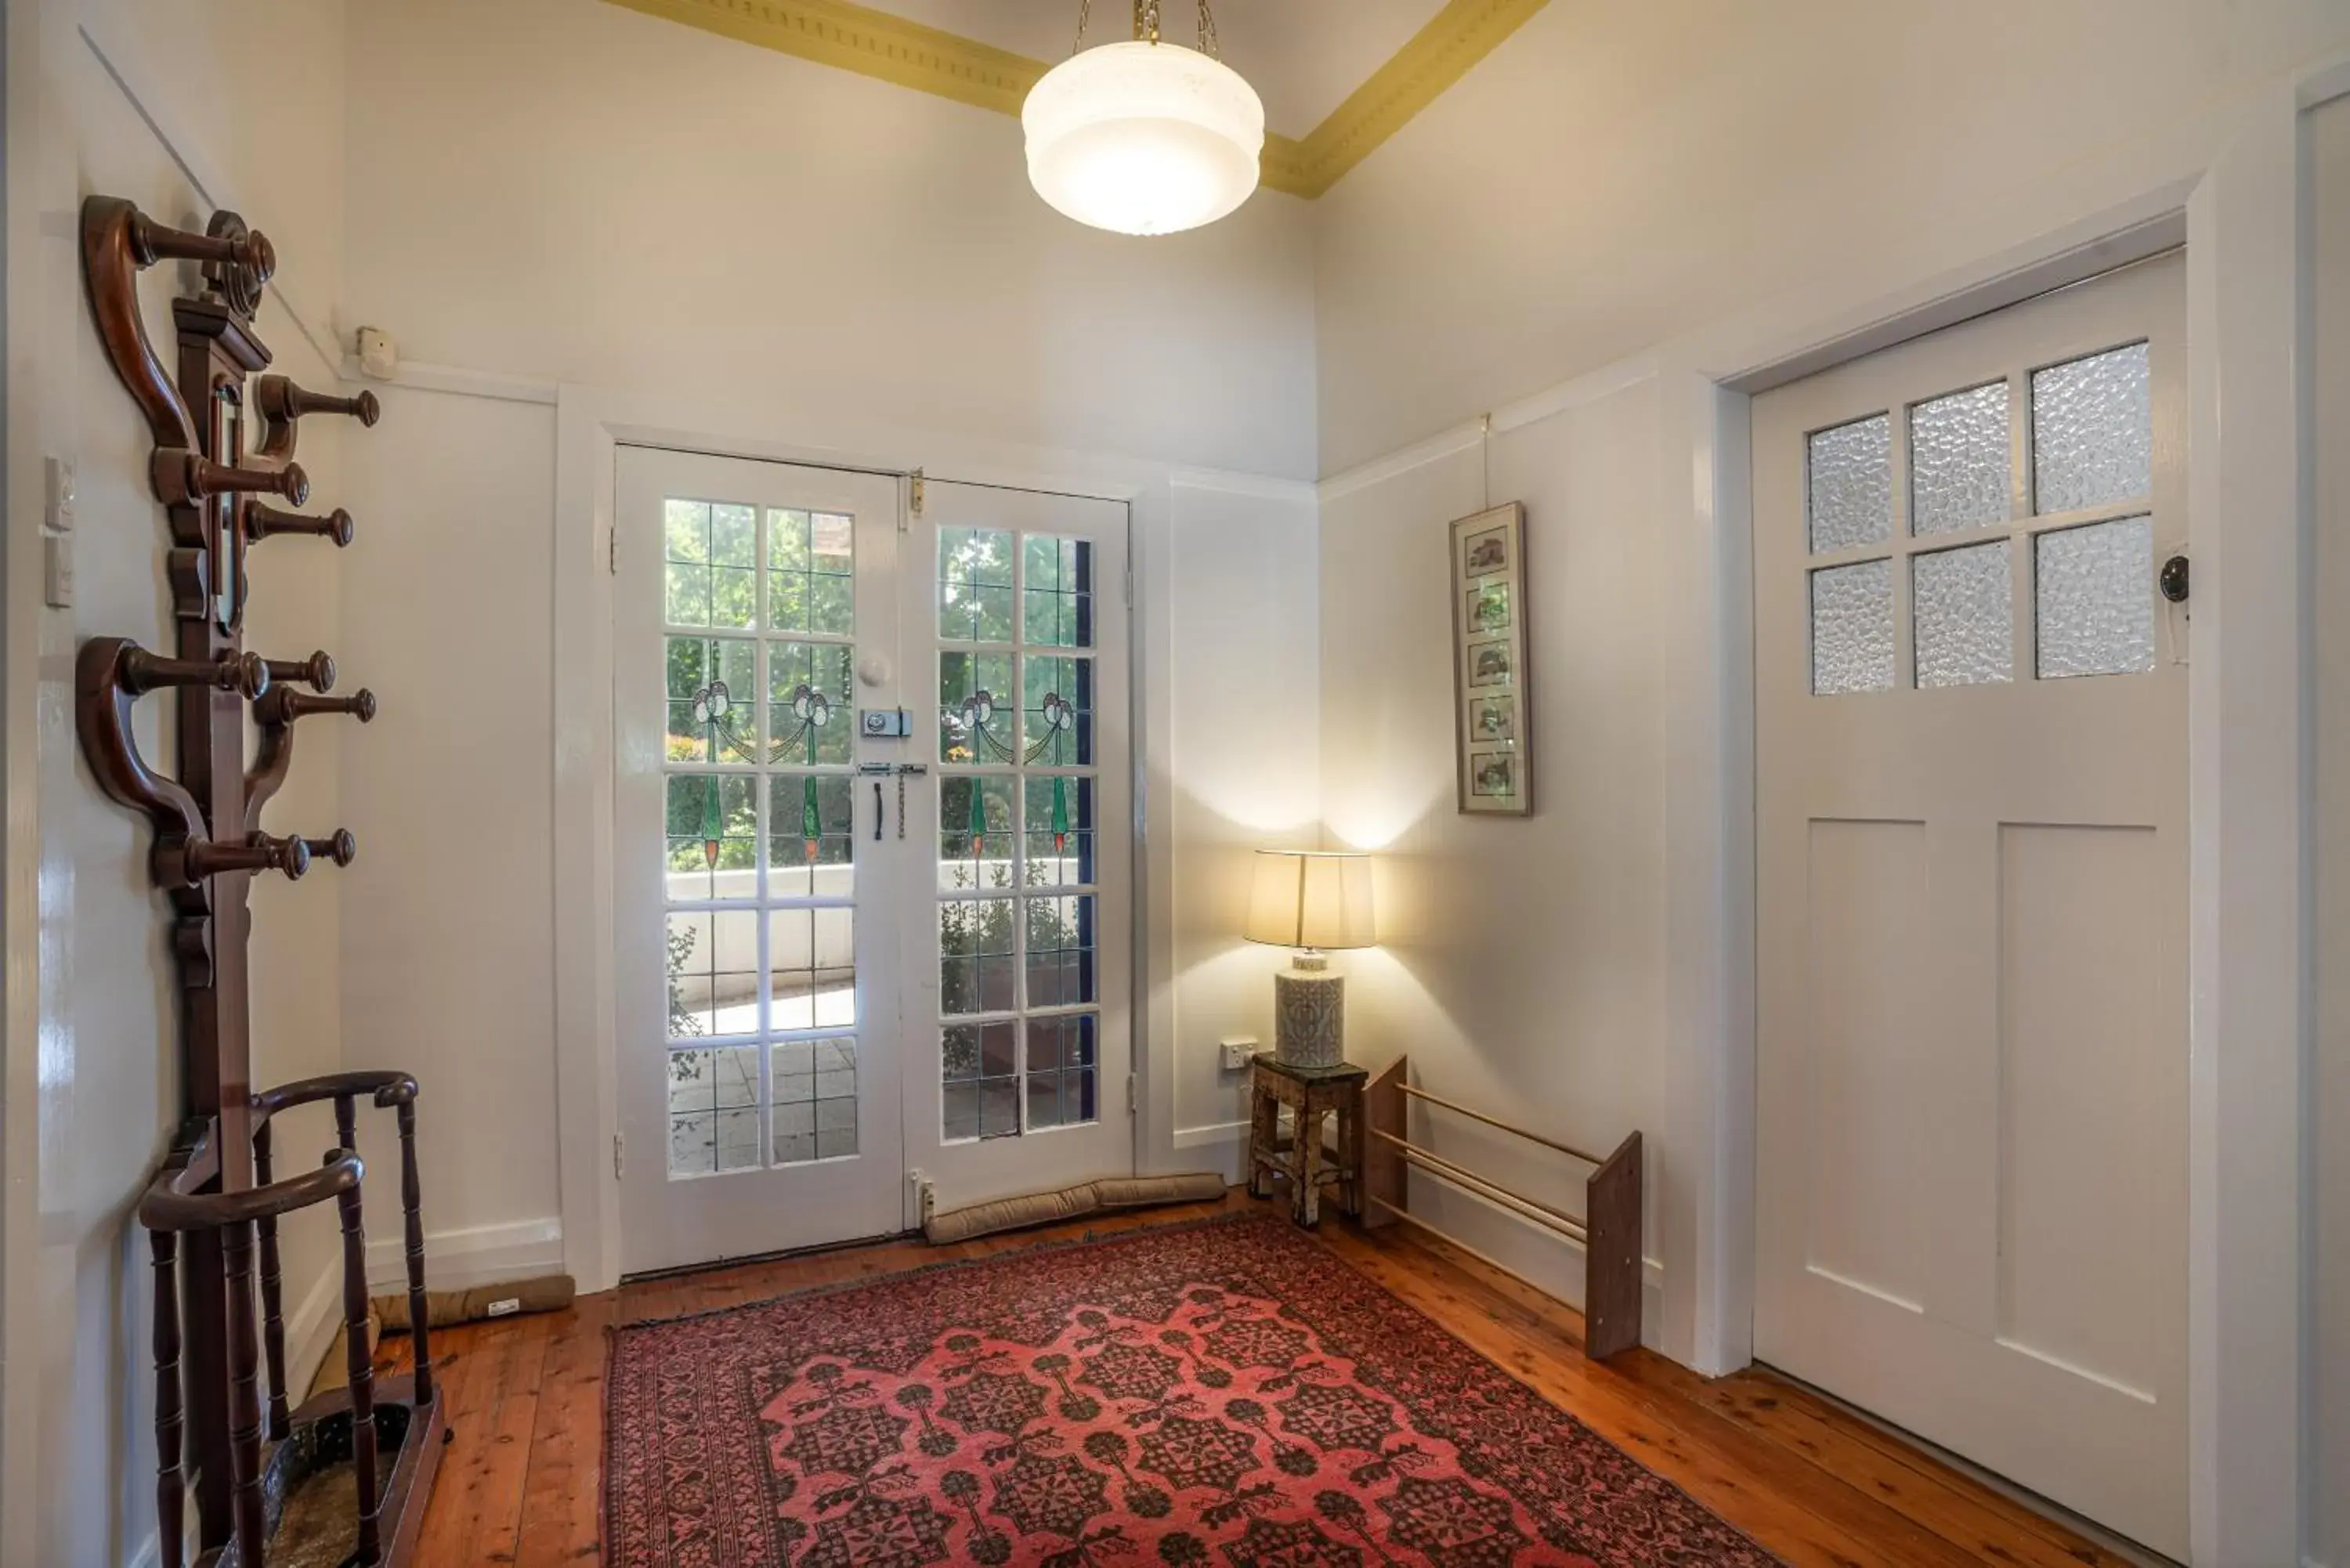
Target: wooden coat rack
348 1472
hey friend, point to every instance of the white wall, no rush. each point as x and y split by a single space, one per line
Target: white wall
564 190
1520 964
2329 1526
1616 175
108 1044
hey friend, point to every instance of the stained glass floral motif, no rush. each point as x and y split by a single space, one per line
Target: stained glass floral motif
711 571
1058 822
975 584
812 572
712 826
1057 591
1059 710
976 723
975 833
811 836
710 685
810 712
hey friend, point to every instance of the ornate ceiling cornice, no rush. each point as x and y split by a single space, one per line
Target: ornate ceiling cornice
890 49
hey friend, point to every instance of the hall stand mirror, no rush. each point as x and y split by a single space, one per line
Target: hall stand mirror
344 1478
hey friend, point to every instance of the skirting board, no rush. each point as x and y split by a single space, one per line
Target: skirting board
480 1255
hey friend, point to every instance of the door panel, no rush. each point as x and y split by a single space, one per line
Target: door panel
1971 799
1019 971
758 1045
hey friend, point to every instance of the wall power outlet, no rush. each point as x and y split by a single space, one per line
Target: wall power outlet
1237 1051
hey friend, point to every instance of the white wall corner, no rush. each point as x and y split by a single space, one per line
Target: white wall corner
310 1329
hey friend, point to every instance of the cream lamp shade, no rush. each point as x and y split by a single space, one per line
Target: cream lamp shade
1312 898
1143 137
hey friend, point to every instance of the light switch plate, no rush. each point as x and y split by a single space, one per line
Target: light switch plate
57 570
57 501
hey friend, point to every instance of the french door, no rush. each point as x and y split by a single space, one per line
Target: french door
872 852
1971 815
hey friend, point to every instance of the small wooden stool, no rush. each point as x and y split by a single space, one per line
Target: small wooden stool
1311 1093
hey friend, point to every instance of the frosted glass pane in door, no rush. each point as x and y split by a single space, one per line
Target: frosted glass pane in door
1958 461
1850 486
1964 615
2096 598
1852 628
2092 431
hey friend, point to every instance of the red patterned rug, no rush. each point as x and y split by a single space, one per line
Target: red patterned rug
1227 1393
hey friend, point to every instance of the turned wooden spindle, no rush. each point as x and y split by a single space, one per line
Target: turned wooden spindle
338 846
141 672
411 1203
199 858
263 521
281 401
360 1364
248 249
185 478
285 704
272 1306
347 1123
317 671
171 1485
243 1401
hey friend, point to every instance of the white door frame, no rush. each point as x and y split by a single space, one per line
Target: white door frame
2228 184
590 424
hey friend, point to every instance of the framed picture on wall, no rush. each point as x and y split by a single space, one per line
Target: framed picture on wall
1490 704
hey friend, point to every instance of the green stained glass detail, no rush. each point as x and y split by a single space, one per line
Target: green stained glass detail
1060 814
811 818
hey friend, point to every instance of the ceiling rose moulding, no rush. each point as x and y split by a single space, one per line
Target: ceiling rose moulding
890 49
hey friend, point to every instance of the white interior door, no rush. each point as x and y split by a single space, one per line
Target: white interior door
755 607
1971 797
1019 969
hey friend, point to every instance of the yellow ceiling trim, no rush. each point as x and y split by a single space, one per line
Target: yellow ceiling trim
890 49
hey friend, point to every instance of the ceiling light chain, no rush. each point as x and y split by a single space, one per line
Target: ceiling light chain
1146 26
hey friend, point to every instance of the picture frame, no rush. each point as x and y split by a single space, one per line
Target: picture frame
1492 707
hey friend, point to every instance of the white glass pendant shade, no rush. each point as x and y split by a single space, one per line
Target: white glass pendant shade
1143 138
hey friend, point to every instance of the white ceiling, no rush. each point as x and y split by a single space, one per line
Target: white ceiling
1304 57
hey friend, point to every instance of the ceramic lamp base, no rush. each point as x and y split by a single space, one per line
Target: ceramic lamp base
1309 1015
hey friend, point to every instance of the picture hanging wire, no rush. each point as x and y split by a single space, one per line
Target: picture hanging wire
1485 461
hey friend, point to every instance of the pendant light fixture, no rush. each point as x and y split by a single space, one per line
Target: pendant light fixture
1143 136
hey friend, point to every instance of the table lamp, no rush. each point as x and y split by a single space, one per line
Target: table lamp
1311 900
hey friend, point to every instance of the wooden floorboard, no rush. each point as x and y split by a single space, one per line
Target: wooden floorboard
521 1482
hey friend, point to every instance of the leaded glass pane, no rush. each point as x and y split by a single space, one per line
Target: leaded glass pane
976 956
812 968
976 723
816 1099
975 833
1057 711
714 973
710 569
812 572
1062 1070
2093 431
2095 613
1958 449
1852 628
1850 486
1058 823
713 1099
1963 608
712 712
712 823
980 1069
1061 959
974 585
811 836
810 712
1057 593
